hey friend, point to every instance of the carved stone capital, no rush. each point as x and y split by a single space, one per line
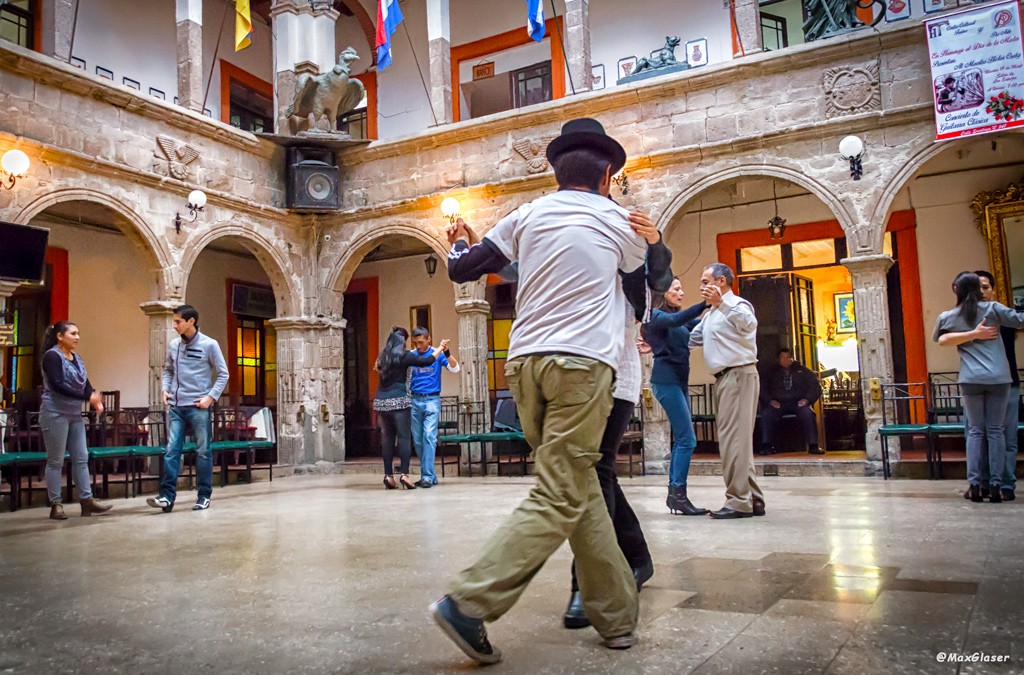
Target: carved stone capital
307 323
850 90
159 307
868 264
472 306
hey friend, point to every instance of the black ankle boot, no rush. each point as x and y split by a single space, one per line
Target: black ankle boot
678 502
574 616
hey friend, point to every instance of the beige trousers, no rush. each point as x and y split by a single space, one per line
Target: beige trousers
563 404
736 395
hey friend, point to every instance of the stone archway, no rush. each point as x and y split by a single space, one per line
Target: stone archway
355 250
266 253
155 250
680 203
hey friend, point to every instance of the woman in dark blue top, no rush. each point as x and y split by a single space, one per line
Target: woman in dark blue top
668 334
392 402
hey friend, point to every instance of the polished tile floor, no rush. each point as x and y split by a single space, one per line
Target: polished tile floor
334 574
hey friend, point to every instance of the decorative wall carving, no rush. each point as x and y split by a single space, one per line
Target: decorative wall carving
177 155
850 90
533 151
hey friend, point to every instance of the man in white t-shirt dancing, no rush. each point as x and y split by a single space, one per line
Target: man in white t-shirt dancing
565 346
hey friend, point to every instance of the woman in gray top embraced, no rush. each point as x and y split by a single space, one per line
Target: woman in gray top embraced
973 327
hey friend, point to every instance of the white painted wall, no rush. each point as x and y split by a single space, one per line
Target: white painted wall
403 284
207 289
109 277
145 48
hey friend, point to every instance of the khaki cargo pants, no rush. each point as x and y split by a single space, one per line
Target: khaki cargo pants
563 403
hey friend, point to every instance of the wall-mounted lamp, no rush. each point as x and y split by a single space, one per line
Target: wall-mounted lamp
430 262
14 165
622 180
777 224
450 209
196 203
852 148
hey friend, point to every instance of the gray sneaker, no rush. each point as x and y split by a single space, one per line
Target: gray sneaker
466 632
202 504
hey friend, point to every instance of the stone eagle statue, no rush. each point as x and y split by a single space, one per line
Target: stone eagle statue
320 99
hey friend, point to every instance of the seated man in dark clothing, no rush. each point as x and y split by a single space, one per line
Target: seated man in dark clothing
787 388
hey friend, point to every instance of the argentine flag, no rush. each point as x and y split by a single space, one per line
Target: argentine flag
389 15
535 19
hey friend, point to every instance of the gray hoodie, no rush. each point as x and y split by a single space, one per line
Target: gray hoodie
190 369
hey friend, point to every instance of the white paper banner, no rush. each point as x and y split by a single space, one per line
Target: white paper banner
977 70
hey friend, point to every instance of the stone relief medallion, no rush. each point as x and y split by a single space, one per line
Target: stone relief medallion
177 155
533 151
850 90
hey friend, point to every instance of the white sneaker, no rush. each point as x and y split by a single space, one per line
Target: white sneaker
202 504
162 503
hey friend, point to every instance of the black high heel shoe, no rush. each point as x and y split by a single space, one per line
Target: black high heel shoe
406 483
389 483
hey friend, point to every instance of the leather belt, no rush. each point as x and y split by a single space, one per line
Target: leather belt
720 374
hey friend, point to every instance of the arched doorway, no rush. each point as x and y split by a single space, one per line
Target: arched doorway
100 266
386 282
229 285
801 292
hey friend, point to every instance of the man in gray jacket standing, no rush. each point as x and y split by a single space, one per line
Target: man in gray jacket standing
195 375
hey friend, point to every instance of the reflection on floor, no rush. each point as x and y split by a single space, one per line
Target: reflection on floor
334 574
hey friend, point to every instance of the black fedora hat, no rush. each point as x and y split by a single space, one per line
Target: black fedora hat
587 133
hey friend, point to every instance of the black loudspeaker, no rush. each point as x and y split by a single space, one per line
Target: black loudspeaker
312 179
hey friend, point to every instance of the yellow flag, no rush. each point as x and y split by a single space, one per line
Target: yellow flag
243 25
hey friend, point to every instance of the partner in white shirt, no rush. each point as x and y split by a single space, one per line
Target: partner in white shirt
728 334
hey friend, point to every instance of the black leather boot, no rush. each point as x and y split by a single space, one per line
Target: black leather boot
574 616
678 502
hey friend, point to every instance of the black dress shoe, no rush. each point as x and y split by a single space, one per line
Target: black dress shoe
643 574
725 513
423 483
758 507
815 450
574 616
1007 493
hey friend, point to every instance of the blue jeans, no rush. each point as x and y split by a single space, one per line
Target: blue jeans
63 434
1011 430
673 398
426 410
985 409
199 420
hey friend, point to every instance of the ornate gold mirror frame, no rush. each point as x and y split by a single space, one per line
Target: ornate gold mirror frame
991 209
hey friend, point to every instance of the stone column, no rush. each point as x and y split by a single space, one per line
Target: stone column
875 345
439 40
577 43
301 36
58 19
311 396
473 311
747 14
161 332
189 16
7 289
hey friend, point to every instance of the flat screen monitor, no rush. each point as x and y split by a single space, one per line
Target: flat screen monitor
22 252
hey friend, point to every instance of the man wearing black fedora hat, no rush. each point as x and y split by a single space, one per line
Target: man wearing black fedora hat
565 345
